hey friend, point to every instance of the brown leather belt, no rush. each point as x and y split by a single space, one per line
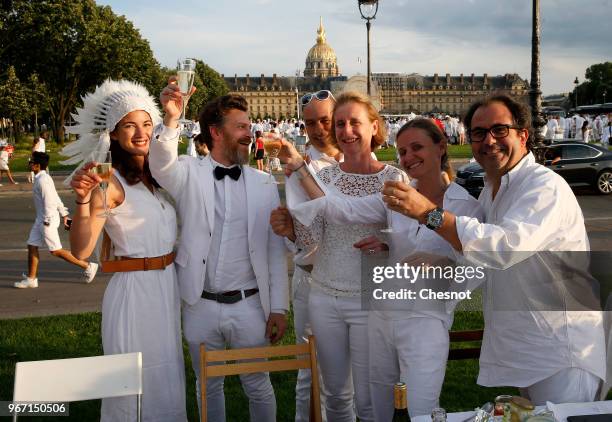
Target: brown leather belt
120 264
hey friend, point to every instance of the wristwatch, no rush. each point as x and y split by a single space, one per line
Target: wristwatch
435 218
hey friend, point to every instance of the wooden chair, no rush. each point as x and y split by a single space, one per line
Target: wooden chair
298 356
464 336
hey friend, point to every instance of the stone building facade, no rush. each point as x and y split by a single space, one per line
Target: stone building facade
276 96
394 93
404 93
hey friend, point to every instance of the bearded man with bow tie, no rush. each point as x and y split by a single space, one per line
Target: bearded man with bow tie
231 267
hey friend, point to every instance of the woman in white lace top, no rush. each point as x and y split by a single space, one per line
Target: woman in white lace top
410 345
338 321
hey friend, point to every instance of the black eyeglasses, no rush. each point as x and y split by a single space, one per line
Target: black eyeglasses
496 131
319 95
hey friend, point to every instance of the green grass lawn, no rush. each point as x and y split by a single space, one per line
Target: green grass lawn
23 150
79 335
454 151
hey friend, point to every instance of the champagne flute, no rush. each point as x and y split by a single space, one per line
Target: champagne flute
104 171
186 75
301 149
272 146
394 177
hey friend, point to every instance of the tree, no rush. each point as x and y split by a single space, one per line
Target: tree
73 45
37 98
598 80
13 101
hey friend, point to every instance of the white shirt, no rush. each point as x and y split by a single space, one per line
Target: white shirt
606 135
305 257
229 263
551 128
534 211
578 122
408 237
46 200
40 145
320 160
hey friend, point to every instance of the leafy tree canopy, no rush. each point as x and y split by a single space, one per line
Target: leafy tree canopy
598 84
73 45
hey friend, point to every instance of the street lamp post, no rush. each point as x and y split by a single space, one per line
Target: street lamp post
576 82
535 94
297 95
368 9
297 102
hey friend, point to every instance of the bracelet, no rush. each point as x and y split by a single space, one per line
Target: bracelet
83 203
300 172
301 165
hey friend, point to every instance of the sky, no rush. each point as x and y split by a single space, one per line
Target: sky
407 36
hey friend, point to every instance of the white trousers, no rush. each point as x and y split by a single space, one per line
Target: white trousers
341 329
570 385
302 328
236 326
413 351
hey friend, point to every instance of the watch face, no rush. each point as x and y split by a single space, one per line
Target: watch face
434 218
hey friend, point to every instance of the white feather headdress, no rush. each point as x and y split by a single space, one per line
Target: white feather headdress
101 112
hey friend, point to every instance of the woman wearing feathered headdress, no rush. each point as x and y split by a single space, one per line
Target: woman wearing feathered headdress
141 306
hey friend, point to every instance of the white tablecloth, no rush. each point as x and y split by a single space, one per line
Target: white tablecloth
562 411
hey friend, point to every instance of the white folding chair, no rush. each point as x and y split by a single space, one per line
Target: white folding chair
66 380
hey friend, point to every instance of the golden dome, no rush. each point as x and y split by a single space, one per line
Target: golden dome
321 50
321 58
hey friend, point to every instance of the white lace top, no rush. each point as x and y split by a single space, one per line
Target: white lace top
337 264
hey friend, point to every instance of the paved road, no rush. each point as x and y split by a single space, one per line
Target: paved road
61 291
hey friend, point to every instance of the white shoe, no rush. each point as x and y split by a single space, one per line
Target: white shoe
90 272
16 183
26 283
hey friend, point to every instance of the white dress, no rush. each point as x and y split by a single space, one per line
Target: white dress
141 309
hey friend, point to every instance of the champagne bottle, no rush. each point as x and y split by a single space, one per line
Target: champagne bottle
401 403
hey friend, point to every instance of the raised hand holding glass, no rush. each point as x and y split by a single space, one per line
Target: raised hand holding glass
185 77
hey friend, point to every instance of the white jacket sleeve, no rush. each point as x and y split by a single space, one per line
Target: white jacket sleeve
165 167
334 207
277 264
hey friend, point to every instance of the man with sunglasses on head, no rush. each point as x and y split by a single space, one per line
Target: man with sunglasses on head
317 110
553 354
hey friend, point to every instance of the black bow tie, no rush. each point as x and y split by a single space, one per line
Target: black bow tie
233 172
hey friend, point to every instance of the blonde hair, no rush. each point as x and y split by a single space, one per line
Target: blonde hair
358 98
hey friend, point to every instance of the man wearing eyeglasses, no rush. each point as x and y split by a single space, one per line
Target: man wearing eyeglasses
551 354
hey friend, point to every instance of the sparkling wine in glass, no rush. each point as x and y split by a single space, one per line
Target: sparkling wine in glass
185 74
301 149
393 177
104 170
272 147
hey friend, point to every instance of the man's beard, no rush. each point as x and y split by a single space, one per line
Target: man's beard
235 155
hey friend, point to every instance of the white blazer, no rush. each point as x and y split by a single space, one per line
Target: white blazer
190 182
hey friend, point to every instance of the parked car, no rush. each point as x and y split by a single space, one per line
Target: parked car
578 163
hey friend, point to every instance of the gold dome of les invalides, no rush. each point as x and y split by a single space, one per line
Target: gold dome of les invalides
321 59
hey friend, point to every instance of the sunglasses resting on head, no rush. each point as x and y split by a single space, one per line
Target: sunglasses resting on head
319 95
